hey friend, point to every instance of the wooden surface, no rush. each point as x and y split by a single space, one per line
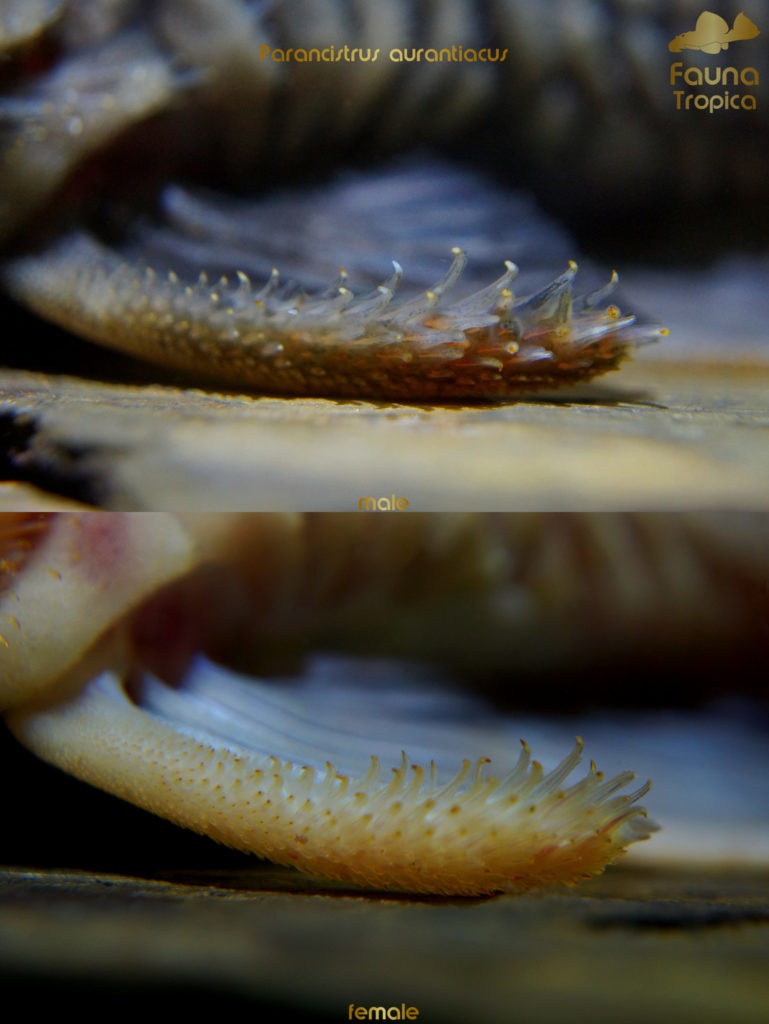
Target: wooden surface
655 435
632 946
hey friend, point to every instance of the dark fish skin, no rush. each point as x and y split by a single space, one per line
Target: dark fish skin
581 108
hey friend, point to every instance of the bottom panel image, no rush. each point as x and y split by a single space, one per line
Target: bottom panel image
483 767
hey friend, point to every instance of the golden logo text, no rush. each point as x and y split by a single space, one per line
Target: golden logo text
391 504
401 1012
710 100
409 55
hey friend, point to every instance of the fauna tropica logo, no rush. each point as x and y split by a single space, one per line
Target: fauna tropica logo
712 34
709 87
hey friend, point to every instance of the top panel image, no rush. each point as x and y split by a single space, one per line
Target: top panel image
342 256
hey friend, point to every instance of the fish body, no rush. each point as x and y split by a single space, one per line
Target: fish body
86 700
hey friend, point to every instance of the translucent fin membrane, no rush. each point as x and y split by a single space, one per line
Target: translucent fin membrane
272 337
314 721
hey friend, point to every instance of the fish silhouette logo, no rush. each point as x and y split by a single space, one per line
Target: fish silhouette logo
712 34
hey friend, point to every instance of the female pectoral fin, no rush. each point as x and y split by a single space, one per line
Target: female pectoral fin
67 579
402 828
